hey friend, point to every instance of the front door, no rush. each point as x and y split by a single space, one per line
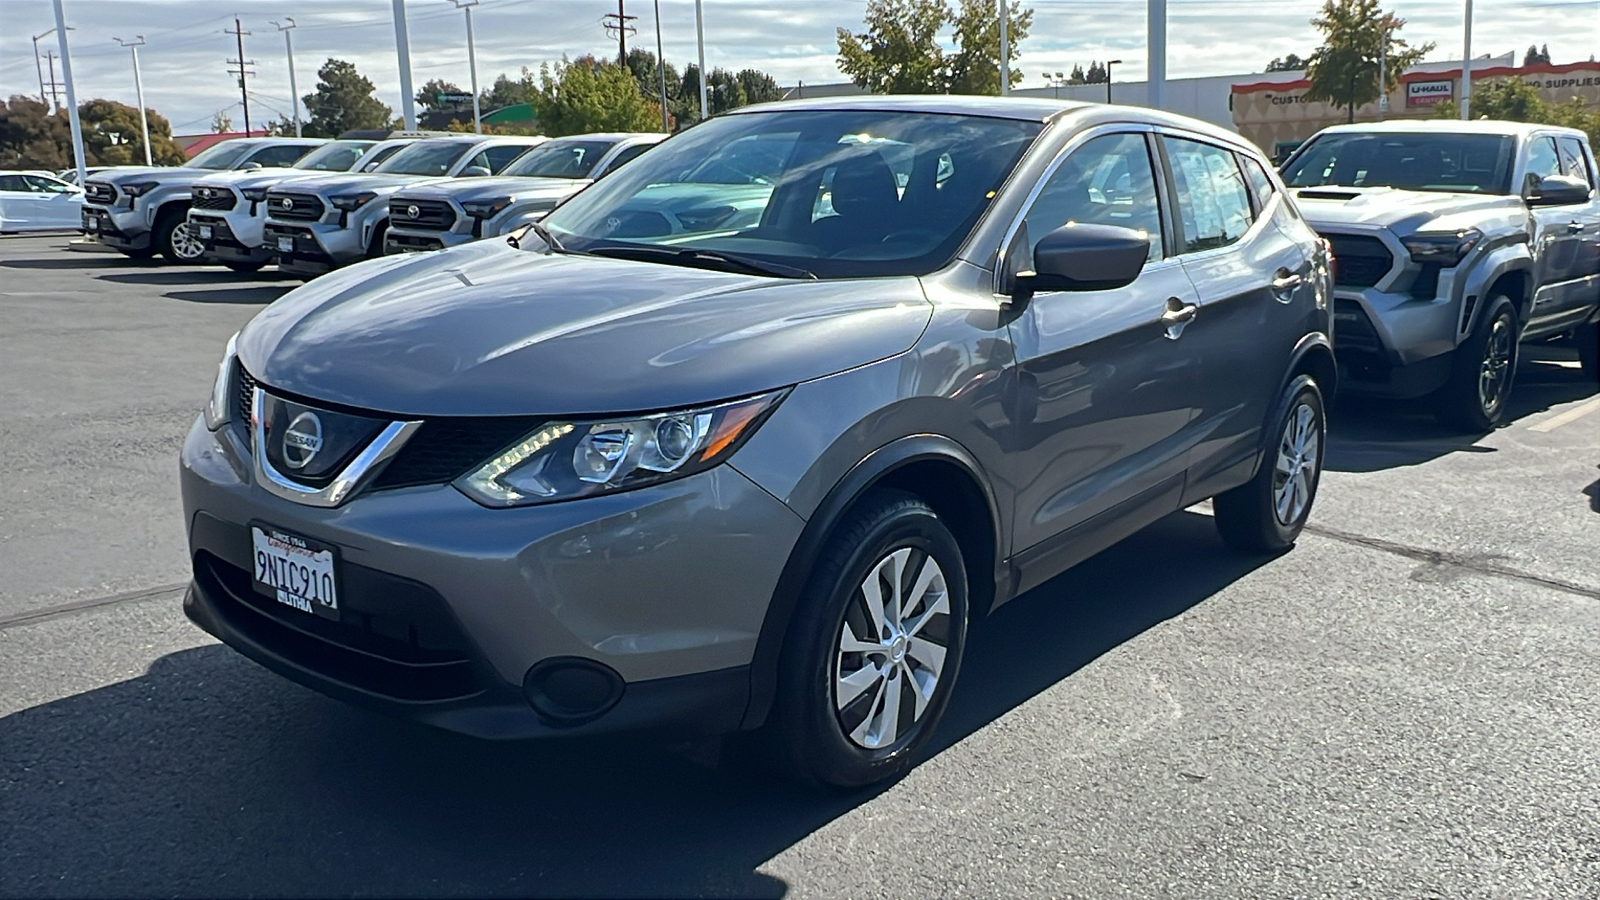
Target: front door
1104 394
1560 252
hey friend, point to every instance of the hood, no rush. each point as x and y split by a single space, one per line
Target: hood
486 329
493 186
254 178
164 174
351 183
1404 212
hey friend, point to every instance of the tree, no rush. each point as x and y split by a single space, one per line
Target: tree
586 95
428 95
343 101
1097 74
32 138
1515 100
1078 76
508 91
1290 63
900 53
1536 56
221 123
1344 70
111 135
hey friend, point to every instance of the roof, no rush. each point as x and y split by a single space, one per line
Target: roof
1448 126
207 141
1032 109
611 136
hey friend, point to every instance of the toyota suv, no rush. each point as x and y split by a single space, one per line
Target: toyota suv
1454 242
625 477
314 225
141 211
228 210
447 213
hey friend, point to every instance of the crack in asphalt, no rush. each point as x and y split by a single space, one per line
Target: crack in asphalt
1457 560
76 606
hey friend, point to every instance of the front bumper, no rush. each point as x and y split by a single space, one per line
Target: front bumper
1394 345
409 240
225 243
312 248
124 229
448 607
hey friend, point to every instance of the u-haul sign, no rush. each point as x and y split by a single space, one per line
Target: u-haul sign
1428 93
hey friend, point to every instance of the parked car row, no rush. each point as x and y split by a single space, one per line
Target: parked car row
37 201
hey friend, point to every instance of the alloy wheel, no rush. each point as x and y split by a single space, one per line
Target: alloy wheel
1494 376
184 243
891 651
1295 472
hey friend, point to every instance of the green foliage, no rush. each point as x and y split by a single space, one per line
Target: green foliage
587 95
343 101
1344 70
725 90
1537 56
32 138
899 52
428 95
1290 63
1515 100
508 91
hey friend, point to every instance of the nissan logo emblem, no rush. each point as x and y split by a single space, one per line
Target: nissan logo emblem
412 212
302 441
287 203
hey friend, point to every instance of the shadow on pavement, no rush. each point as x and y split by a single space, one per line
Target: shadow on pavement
243 295
81 261
210 776
1369 434
192 275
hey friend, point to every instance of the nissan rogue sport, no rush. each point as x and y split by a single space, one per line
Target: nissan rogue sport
641 469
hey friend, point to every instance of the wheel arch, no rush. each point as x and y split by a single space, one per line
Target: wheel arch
936 469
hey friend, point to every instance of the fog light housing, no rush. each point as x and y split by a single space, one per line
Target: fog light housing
569 690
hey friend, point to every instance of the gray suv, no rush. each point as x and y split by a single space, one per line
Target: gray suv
623 476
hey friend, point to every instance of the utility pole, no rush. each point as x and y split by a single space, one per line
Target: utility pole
138 89
618 22
244 95
402 43
1156 68
661 70
1466 65
472 63
39 67
55 86
1005 53
72 92
294 92
700 41
1383 71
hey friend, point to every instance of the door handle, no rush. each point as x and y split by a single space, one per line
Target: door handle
1575 227
1178 315
1285 281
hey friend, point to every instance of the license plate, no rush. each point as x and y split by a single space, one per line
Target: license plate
296 571
91 223
285 245
205 232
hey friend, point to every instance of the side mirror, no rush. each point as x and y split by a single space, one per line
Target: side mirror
1558 190
1084 257
252 165
474 172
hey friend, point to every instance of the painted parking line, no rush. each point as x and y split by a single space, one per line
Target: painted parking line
1568 417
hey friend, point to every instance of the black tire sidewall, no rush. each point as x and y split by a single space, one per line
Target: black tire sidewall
1303 390
1463 407
820 749
166 223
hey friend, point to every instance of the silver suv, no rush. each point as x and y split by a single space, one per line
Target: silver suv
318 224
1454 242
628 477
142 211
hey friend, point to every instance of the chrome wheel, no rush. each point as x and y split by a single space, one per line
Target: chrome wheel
1295 473
892 647
184 243
1494 376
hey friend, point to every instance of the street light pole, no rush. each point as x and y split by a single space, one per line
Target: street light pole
472 63
1005 53
72 91
294 91
1109 64
1156 23
402 43
138 89
700 39
1466 64
1383 71
661 70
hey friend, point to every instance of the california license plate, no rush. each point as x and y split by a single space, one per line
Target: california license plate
205 232
91 223
285 245
296 571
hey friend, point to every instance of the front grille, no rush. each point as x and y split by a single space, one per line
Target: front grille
219 199
446 448
427 215
99 192
1359 261
299 207
1353 331
395 637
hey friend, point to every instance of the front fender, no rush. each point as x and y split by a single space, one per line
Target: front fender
1515 259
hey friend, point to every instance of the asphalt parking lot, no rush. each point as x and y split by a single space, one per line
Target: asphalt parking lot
1402 706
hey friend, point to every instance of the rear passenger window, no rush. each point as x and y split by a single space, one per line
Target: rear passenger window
1213 204
1107 181
1574 161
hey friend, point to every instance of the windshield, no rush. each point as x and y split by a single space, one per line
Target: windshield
220 156
838 193
425 158
560 159
337 156
1469 163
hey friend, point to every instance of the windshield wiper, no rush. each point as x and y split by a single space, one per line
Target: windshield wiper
697 258
544 235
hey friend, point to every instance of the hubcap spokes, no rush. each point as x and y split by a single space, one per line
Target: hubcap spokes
185 244
1295 472
892 648
1496 370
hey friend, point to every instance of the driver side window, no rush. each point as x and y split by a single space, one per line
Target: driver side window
1107 181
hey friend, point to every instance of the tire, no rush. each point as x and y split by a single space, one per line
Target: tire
867 741
1588 339
245 268
174 241
1267 513
375 246
1476 397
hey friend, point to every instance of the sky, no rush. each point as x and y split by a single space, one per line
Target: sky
184 57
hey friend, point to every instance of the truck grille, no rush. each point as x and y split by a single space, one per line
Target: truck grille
99 192
297 207
219 199
1359 261
427 215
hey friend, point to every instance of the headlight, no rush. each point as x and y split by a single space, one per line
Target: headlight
485 209
220 408
352 202
1443 247
254 195
566 460
140 189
